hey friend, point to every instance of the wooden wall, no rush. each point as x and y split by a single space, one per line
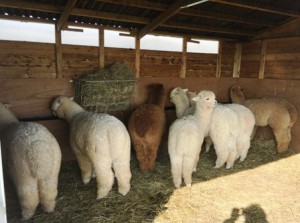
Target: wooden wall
29 82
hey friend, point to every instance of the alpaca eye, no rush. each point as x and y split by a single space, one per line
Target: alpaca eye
207 99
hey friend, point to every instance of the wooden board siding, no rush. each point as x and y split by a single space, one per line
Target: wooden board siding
228 52
203 65
250 59
27 60
160 64
283 59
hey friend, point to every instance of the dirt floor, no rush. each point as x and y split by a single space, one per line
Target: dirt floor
263 188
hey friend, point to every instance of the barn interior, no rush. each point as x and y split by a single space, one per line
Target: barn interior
259 49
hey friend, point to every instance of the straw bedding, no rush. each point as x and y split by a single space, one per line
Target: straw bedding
150 193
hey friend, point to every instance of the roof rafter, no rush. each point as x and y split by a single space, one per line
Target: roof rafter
259 7
65 14
190 12
173 9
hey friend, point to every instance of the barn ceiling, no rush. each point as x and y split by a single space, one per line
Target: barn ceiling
213 19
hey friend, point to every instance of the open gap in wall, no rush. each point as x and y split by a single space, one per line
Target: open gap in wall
203 46
27 31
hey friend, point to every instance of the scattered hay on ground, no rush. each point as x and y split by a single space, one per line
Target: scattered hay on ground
149 194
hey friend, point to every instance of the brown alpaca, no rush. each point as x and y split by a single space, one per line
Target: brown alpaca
278 113
146 127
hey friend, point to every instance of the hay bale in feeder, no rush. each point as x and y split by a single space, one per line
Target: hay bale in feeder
108 89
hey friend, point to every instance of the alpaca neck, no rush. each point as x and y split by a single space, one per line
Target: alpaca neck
181 106
6 119
71 109
203 114
158 98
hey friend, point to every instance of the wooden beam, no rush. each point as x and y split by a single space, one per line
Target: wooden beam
191 12
237 60
65 14
208 28
263 52
101 48
58 54
219 60
173 9
259 7
183 63
137 57
117 17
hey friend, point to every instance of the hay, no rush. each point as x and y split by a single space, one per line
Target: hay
149 192
109 89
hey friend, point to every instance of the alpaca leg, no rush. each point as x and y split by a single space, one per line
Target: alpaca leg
151 155
196 160
208 143
187 169
27 191
141 156
85 166
283 138
176 169
245 149
104 176
123 175
231 158
253 132
48 193
222 155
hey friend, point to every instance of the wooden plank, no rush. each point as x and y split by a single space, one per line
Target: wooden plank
219 60
137 57
58 50
101 48
237 60
31 98
183 60
263 53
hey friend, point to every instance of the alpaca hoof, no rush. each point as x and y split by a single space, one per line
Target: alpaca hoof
124 190
228 166
102 193
27 214
49 206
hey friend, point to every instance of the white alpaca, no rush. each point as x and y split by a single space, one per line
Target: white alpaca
182 98
246 123
186 136
32 158
100 143
224 130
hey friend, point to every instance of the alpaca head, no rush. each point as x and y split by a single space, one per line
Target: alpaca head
205 99
236 94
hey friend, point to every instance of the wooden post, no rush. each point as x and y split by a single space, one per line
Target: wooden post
183 63
263 52
237 60
101 48
219 60
137 57
58 51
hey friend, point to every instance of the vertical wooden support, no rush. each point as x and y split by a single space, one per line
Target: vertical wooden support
101 48
183 63
58 51
137 57
219 60
263 52
237 60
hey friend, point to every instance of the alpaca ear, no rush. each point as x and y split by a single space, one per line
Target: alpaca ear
7 106
185 90
196 98
72 98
